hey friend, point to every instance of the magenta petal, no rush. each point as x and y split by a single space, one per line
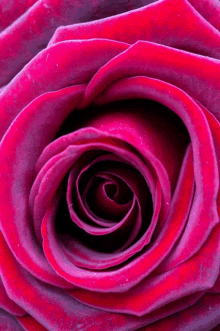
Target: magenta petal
209 9
84 257
45 185
7 304
9 322
10 11
169 22
203 315
30 33
179 68
30 324
38 115
196 274
41 301
58 70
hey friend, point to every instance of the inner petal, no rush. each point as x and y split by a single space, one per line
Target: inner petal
110 167
102 197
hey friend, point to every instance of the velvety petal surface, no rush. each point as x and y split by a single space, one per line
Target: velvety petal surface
168 22
30 324
30 33
179 68
110 160
9 322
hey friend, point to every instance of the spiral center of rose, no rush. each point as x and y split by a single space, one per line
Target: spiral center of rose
107 196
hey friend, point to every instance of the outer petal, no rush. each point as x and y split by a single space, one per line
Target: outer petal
34 120
9 322
7 304
196 75
197 274
10 11
209 9
30 324
215 129
168 22
30 33
57 311
202 316
44 111
58 69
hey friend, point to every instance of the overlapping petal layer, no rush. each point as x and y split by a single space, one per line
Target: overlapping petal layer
29 34
69 236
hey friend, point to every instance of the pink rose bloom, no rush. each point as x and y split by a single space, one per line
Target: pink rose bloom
110 163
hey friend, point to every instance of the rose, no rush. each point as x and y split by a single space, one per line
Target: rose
178 268
169 277
115 126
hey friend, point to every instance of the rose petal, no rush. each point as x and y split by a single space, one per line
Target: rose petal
30 324
36 118
179 68
10 11
168 22
196 274
203 315
41 301
9 322
7 304
146 150
57 67
215 129
30 33
209 9
82 256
